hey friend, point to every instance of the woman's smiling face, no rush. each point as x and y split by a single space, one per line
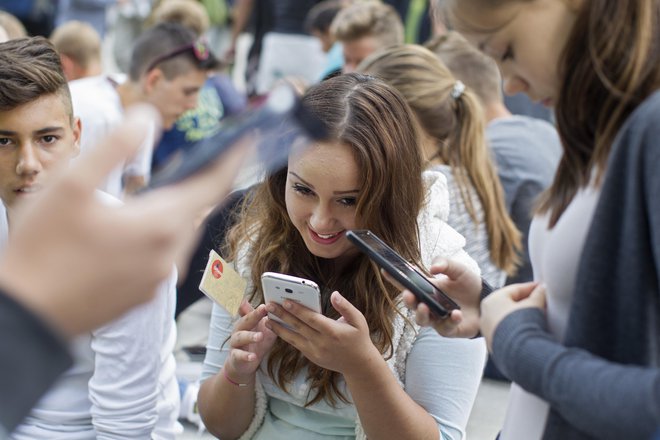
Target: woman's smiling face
322 189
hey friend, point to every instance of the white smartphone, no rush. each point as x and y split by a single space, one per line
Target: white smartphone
277 287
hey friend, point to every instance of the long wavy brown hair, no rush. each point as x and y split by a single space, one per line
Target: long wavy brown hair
375 121
610 65
458 129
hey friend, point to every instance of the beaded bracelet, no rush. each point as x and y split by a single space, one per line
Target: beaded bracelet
231 381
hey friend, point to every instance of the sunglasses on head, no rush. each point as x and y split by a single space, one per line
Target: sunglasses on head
199 48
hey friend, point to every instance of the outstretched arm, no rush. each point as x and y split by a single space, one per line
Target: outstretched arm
63 232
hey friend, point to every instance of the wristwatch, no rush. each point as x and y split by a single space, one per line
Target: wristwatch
486 289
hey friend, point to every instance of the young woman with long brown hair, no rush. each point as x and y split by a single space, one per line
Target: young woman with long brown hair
360 368
582 345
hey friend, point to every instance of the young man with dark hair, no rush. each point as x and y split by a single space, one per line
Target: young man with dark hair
169 65
122 382
218 98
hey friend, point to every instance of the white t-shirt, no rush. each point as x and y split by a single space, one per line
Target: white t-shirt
97 104
555 256
122 384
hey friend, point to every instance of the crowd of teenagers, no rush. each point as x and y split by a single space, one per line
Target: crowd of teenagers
544 227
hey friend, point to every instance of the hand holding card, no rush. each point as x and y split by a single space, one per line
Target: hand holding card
222 283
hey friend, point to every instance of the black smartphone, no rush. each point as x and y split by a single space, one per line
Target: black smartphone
277 121
405 273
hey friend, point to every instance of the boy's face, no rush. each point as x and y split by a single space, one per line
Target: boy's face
172 98
35 139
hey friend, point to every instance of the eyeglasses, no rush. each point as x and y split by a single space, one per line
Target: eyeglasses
199 48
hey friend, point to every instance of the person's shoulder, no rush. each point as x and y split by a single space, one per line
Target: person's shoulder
648 112
438 175
521 123
640 133
653 99
91 89
643 125
95 97
219 81
436 185
231 98
90 82
525 137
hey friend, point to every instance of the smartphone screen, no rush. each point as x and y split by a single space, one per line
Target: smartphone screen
402 271
275 123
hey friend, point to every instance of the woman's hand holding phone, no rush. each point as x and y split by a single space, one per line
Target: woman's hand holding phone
250 342
294 314
464 287
341 345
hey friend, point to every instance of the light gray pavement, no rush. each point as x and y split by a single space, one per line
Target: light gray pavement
485 420
488 411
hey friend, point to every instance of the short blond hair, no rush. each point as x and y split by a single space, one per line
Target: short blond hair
369 19
188 13
12 26
78 41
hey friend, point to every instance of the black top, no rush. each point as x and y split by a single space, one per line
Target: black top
289 15
32 357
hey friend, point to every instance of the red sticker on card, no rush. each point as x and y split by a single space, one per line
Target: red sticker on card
216 269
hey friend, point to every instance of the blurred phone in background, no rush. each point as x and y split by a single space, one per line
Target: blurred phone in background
275 123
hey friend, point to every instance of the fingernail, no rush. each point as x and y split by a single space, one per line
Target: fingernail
251 357
256 337
287 304
270 307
